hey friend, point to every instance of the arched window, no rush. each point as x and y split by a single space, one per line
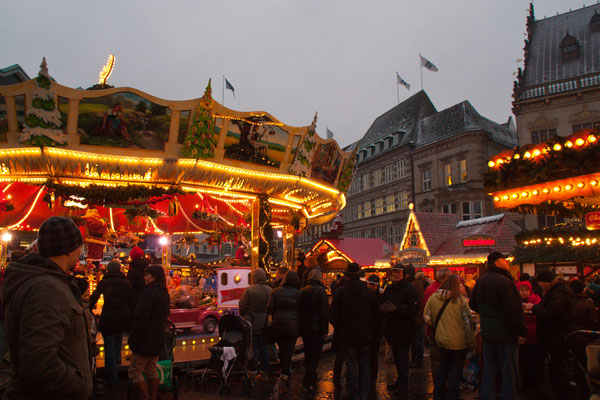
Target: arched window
569 48
595 22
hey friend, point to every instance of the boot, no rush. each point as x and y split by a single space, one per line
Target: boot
140 390
153 384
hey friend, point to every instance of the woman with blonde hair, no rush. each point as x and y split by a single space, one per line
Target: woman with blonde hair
449 314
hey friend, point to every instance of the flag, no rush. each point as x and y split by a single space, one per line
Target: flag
328 133
427 64
402 82
229 86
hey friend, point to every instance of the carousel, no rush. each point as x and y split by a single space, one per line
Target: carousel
125 165
558 178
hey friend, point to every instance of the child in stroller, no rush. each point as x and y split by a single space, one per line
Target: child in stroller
230 354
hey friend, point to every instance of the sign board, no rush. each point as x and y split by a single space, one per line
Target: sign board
479 241
569 270
413 256
592 220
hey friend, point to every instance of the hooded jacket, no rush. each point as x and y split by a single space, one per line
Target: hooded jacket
254 301
118 303
313 310
46 332
455 328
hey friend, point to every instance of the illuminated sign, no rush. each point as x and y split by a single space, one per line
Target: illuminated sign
479 241
413 256
592 220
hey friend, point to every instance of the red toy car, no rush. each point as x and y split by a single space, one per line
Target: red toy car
187 318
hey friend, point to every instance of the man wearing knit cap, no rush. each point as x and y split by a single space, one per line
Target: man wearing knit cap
552 316
496 299
45 322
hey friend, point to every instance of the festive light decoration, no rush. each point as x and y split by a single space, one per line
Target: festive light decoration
107 70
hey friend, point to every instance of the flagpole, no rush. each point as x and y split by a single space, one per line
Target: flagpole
223 95
421 64
397 89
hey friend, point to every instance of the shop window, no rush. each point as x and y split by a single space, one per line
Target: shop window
464 175
542 136
569 48
426 178
448 174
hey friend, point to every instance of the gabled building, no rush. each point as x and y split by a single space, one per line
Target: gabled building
558 91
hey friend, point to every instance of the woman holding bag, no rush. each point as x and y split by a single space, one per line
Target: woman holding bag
449 314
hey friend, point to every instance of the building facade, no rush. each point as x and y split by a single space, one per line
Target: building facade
558 91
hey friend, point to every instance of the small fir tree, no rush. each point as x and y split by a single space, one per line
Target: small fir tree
200 142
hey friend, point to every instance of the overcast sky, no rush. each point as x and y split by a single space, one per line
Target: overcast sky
287 57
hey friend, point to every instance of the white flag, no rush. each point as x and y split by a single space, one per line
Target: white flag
402 82
427 64
328 133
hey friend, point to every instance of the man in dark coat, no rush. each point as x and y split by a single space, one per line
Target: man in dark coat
313 321
496 298
399 305
552 316
135 275
374 346
300 267
115 317
418 345
354 313
45 322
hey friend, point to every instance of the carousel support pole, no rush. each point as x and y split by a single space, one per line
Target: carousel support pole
6 237
288 246
165 242
254 263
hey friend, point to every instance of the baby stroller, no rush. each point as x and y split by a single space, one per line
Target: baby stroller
584 347
230 354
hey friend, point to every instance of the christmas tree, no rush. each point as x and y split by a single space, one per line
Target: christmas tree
200 142
42 124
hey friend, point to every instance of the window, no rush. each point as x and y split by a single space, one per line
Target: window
403 200
413 240
542 135
390 202
589 125
595 22
379 209
377 177
378 233
359 213
545 221
569 48
402 169
368 234
224 278
365 182
367 209
388 174
426 177
462 167
390 235
448 174
471 210
449 208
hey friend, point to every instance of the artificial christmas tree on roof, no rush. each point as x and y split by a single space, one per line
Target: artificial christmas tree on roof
42 124
200 142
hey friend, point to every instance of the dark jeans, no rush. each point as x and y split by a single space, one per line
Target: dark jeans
313 347
401 353
531 367
418 346
112 352
559 370
358 372
450 371
338 364
286 350
504 355
260 355
374 358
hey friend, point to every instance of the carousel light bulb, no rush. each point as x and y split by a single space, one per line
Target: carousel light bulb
594 182
536 152
6 237
579 142
569 187
591 139
545 190
527 154
491 164
536 192
516 156
568 143
515 195
556 189
505 197
496 198
580 185
163 241
525 194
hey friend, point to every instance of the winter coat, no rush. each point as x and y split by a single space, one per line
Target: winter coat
147 336
313 310
354 312
455 328
531 320
254 301
300 271
431 289
118 302
283 308
420 289
304 277
496 299
47 332
135 275
553 315
583 314
399 325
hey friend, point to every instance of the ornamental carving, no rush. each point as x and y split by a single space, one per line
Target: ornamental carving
584 116
542 122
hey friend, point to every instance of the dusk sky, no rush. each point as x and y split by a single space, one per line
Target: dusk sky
289 58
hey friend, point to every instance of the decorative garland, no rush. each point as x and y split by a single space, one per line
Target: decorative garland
144 211
204 216
5 204
347 174
265 232
550 165
133 195
551 207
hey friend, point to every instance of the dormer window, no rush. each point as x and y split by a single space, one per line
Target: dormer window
569 48
595 22
371 150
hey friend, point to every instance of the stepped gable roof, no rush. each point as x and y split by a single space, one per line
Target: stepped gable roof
544 61
459 118
435 228
362 251
401 118
13 74
501 227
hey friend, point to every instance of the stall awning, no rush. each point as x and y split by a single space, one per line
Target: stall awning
364 252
